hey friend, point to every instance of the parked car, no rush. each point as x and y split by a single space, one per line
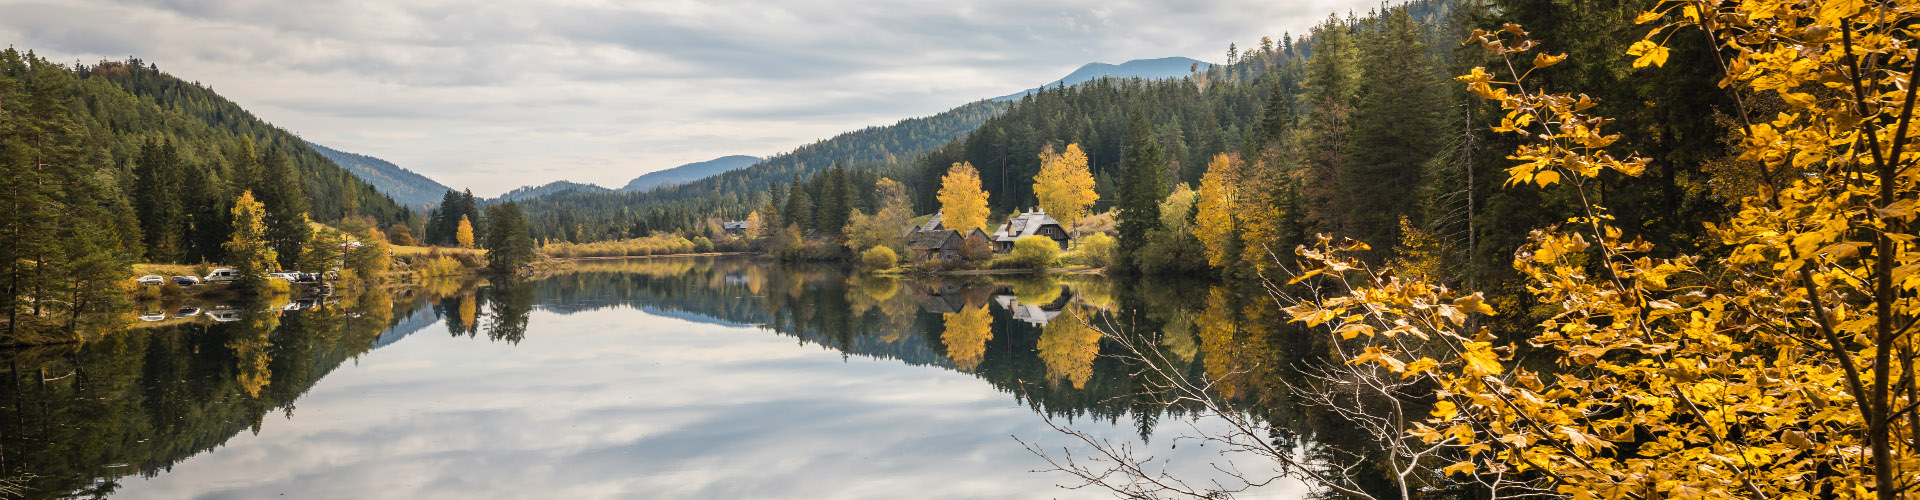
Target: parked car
290 277
154 316
186 312
186 280
224 314
150 280
223 275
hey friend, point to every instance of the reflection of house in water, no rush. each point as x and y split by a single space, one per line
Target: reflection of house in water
736 278
949 298
1035 314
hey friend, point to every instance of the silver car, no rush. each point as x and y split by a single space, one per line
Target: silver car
150 280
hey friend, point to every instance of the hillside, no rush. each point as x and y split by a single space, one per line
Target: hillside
410 189
1145 69
598 214
525 192
689 172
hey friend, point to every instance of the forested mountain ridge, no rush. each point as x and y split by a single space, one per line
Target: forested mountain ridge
406 187
1145 69
145 102
689 172
579 215
526 192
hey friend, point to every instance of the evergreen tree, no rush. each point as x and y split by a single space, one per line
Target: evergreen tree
286 207
509 243
1143 182
1394 131
157 200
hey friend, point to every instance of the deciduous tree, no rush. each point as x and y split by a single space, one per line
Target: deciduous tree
1065 186
962 203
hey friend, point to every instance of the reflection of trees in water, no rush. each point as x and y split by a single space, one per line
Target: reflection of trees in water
966 334
1068 346
76 418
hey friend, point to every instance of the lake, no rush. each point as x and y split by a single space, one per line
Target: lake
663 378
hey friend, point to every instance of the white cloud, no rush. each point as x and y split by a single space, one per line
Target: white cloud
494 95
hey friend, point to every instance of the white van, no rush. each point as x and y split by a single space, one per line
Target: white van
223 275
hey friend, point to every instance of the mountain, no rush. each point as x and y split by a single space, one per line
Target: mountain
525 192
688 173
1147 69
734 193
410 189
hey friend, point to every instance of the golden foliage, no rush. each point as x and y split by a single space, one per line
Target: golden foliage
962 201
1068 347
966 336
1065 186
465 234
1781 370
1214 221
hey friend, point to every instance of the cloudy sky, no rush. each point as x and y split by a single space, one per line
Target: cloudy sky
498 94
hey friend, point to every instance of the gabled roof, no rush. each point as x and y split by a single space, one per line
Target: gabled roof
934 224
1024 225
734 224
932 240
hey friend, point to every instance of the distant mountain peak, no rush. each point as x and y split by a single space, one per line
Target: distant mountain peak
1147 69
406 187
688 173
524 192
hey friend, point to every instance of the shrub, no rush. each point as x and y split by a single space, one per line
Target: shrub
1096 250
879 257
1034 252
702 245
442 266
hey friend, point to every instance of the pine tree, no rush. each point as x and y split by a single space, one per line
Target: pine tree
286 207
1393 133
1143 183
509 243
157 200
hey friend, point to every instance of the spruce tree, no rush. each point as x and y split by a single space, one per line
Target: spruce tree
1143 182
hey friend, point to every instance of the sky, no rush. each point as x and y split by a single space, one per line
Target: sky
499 94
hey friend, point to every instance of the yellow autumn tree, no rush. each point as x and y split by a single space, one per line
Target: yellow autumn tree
1783 368
962 202
753 223
1214 220
465 234
966 336
1065 186
1068 346
248 251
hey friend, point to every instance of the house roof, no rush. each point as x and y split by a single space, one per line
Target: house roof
1024 225
934 224
931 240
734 224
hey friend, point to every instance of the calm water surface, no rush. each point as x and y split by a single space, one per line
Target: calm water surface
671 378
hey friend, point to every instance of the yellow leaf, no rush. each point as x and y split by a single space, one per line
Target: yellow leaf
1647 17
1798 100
1481 358
1545 178
1445 410
1474 303
1543 60
1649 53
1461 467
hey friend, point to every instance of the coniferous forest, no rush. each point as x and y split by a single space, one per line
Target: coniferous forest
114 163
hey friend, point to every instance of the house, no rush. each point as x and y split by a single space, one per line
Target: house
1035 314
735 227
943 245
1035 223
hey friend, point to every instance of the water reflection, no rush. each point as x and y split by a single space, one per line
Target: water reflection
635 362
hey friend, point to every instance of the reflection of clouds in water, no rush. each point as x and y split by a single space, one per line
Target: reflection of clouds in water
617 403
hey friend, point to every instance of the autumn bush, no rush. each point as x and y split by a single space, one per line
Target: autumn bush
441 266
1095 250
658 244
879 258
1032 252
